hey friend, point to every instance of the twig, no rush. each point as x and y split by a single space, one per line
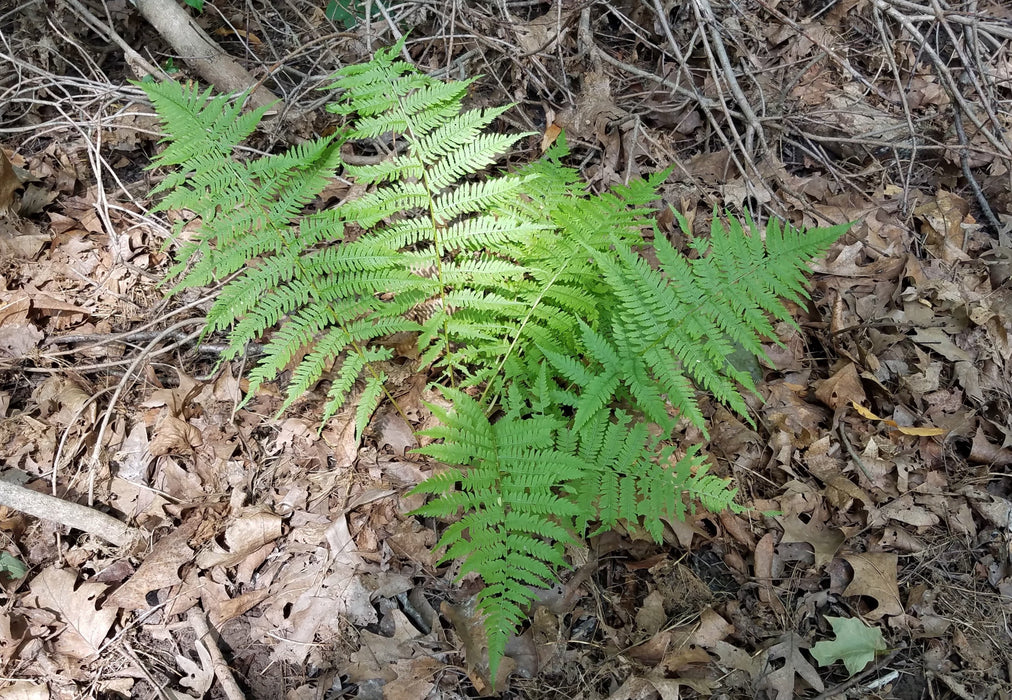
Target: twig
850 449
947 80
75 515
705 16
127 336
198 621
707 105
878 666
964 162
109 33
194 46
128 651
129 339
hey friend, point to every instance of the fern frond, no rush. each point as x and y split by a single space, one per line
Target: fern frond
514 522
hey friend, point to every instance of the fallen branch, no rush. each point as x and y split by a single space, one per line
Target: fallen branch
198 621
75 515
201 52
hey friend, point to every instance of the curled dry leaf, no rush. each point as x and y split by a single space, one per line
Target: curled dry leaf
245 535
174 436
779 679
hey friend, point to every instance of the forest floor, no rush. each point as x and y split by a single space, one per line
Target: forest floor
876 470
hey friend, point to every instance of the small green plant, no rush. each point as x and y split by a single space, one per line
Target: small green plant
566 354
347 12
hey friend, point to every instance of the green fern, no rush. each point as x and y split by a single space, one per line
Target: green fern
566 355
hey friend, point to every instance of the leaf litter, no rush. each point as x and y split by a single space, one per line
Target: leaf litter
880 505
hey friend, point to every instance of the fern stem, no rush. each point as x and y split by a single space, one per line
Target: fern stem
519 334
437 227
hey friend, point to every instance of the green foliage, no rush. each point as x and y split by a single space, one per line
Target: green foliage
11 566
568 333
347 12
856 644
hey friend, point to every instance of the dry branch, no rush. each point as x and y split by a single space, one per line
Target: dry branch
57 510
201 52
198 620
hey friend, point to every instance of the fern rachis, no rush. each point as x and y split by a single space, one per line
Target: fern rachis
522 285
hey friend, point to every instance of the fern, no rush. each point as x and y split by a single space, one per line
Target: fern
567 356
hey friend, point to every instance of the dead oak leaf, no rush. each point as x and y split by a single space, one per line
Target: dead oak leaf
160 568
825 541
779 682
252 530
842 388
86 625
175 436
875 577
9 183
415 679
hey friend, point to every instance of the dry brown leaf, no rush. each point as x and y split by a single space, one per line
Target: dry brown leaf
160 568
651 652
21 238
234 607
375 658
18 335
781 679
539 34
552 132
903 510
825 541
942 224
732 657
25 690
925 431
415 679
594 108
842 388
309 602
983 451
685 657
469 624
899 538
245 535
86 626
395 432
650 617
9 640
9 183
174 436
197 677
994 509
635 688
764 554
877 472
875 577
711 629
